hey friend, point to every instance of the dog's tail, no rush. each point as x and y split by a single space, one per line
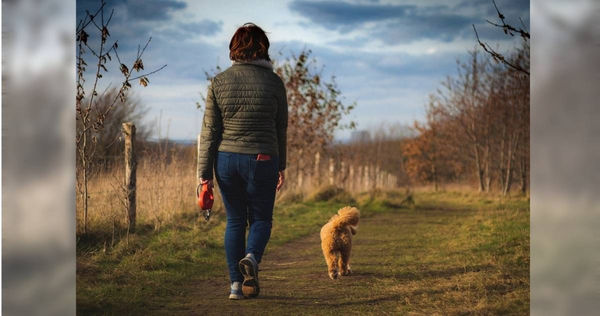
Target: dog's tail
346 216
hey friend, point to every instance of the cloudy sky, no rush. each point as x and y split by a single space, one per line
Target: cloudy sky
387 56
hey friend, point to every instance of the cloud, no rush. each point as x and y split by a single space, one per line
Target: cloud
204 27
153 10
184 31
339 14
137 10
512 9
394 23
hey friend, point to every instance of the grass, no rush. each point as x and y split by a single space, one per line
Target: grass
451 253
164 192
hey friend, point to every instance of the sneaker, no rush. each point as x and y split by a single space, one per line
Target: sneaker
236 291
249 269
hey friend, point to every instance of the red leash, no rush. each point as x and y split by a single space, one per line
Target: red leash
205 200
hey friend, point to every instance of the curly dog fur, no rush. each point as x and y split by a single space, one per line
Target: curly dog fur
336 240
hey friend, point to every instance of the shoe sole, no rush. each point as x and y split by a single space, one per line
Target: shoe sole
236 297
250 286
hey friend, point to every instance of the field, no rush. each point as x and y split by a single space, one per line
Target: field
448 253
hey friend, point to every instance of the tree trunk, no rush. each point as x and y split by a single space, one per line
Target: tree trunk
479 169
435 178
316 173
130 173
299 171
513 146
523 174
508 181
501 161
488 176
84 164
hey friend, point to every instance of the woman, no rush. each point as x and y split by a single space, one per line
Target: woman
244 138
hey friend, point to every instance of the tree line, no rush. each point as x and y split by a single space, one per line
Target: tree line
476 127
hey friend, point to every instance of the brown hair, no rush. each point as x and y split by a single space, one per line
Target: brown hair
249 43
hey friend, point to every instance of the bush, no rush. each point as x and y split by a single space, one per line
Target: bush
331 193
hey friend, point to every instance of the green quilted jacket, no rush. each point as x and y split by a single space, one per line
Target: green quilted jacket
246 112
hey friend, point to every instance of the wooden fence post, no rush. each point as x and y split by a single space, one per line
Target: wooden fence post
352 180
331 171
130 172
342 175
366 173
316 172
360 179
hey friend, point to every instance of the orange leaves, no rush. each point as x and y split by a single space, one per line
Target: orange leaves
124 70
419 155
82 36
138 65
105 34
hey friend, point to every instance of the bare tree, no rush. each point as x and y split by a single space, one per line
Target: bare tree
90 116
462 104
483 111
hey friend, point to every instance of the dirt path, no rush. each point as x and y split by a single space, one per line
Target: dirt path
400 266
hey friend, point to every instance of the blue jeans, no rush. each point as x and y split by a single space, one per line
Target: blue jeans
248 191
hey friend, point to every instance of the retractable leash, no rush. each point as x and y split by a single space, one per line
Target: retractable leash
205 200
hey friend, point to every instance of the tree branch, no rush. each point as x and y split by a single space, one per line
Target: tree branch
497 56
149 73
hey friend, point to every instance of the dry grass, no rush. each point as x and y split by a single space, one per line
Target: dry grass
164 191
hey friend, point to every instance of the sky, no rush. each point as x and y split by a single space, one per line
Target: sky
387 56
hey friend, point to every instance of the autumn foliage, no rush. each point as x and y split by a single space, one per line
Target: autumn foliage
315 111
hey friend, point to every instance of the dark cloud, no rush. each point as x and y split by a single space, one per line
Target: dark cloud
138 10
507 7
339 14
153 10
135 21
405 23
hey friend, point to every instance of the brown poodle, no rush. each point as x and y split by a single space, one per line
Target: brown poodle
336 240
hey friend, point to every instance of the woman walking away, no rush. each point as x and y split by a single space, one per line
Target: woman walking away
244 138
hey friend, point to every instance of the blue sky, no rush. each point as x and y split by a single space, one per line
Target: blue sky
387 56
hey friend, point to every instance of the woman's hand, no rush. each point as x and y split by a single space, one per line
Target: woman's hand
202 181
210 182
281 180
